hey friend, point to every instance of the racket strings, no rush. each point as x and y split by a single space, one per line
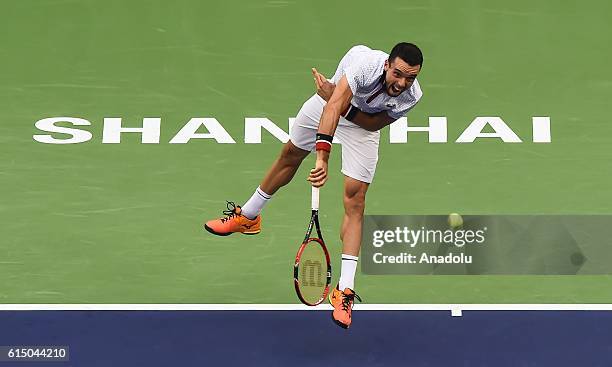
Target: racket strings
232 211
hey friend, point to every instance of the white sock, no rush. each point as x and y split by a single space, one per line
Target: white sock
347 272
252 208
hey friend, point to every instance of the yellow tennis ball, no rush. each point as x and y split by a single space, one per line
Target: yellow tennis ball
455 220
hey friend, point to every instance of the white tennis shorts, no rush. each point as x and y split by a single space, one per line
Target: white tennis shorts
359 146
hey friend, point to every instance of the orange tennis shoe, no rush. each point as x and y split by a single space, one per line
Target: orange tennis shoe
343 306
233 222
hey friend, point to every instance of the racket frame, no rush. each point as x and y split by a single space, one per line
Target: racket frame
314 223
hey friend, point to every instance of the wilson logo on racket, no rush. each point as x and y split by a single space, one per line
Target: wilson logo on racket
312 270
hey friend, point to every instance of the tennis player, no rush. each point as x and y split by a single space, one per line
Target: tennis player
369 91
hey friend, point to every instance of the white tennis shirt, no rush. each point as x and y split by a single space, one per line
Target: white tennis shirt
364 69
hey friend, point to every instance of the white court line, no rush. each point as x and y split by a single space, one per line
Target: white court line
455 309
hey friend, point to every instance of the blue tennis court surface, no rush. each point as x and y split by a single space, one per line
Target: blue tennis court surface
309 338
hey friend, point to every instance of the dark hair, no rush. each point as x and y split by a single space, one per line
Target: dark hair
408 52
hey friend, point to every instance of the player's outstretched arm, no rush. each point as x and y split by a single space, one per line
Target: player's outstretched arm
338 102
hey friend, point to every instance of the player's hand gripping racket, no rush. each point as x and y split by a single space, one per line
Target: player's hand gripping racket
312 269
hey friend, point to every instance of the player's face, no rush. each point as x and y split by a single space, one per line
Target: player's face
399 76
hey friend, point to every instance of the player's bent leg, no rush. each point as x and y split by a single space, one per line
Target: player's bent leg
247 219
284 168
303 136
281 173
343 296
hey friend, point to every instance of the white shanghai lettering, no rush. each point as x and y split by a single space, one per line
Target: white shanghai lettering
73 130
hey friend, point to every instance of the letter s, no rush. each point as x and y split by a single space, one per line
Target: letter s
77 135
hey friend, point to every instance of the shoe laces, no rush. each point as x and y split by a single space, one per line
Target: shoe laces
231 212
348 300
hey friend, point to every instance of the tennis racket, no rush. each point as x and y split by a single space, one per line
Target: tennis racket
312 268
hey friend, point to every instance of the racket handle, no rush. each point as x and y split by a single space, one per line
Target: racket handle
315 198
